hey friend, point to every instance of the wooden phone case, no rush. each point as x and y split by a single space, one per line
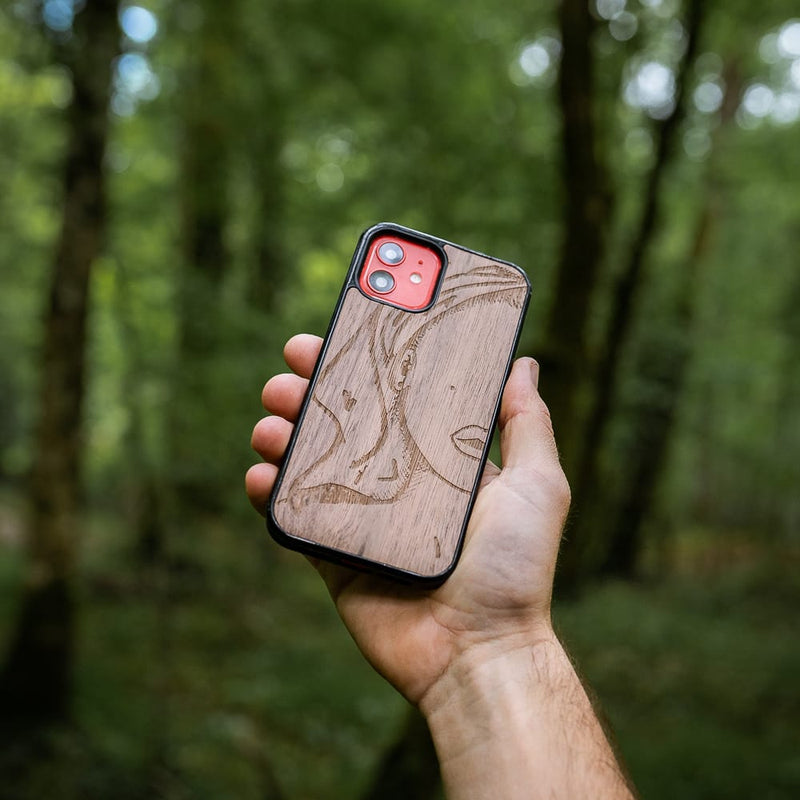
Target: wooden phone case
387 454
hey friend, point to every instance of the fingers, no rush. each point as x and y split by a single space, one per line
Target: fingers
283 395
301 353
258 482
526 431
271 437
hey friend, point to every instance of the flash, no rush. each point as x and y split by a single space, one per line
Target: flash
415 277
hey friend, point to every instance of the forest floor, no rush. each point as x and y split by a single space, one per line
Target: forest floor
229 672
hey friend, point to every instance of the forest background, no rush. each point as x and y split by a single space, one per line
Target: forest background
182 183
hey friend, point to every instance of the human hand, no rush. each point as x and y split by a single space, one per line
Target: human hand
506 710
498 598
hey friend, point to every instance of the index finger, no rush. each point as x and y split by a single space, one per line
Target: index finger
301 353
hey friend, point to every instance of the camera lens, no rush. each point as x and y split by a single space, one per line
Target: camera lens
381 281
391 253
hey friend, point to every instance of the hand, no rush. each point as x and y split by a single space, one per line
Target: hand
499 596
506 710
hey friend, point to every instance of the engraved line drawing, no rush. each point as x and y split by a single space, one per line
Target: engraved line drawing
373 457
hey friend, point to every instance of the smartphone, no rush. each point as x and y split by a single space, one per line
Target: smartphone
385 460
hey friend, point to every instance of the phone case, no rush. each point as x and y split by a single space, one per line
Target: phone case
385 460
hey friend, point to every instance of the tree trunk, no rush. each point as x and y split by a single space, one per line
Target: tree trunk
409 768
204 204
35 679
663 367
785 509
143 503
586 485
265 99
270 269
564 354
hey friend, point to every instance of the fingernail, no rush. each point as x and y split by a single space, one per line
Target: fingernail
534 365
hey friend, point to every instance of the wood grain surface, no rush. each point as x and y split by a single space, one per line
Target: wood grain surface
388 451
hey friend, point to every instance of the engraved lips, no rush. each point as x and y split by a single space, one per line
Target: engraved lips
470 440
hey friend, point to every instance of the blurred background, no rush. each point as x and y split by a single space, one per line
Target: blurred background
182 183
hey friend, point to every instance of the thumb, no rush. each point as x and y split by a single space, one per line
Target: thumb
526 431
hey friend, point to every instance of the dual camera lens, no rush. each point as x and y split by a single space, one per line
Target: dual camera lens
381 281
391 254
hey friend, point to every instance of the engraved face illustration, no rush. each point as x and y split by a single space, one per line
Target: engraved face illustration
400 400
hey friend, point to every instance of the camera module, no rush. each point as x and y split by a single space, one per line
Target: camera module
381 281
391 253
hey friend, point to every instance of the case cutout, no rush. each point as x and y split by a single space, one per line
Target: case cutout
401 272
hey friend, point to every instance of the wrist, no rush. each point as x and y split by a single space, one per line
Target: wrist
482 712
485 670
511 715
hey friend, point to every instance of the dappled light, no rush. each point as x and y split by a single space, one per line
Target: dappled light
134 79
184 184
708 97
536 61
776 97
759 100
697 143
788 39
58 14
623 26
138 24
330 177
652 87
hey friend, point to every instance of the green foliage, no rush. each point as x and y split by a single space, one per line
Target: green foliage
198 673
696 679
32 97
193 682
204 676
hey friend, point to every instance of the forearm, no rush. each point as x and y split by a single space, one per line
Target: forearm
518 724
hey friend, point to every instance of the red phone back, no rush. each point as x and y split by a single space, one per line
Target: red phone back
387 456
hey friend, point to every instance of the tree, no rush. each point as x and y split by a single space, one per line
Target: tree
267 68
409 763
588 487
661 365
565 355
35 679
207 97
